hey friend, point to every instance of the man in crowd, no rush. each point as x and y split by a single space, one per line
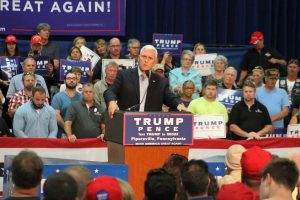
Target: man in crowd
260 55
160 184
279 179
230 75
249 118
208 104
35 119
22 96
196 184
84 119
60 186
49 48
111 70
275 99
62 100
27 169
115 48
253 161
16 82
291 84
82 177
134 49
140 89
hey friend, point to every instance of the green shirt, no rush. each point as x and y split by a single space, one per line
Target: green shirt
201 106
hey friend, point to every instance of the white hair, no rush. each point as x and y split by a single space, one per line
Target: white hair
149 47
230 68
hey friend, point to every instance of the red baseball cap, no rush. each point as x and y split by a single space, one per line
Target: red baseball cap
255 36
36 39
253 161
104 188
11 39
235 191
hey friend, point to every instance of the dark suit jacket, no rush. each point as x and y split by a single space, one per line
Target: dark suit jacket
126 91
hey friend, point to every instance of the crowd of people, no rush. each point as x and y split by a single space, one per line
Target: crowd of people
251 174
42 106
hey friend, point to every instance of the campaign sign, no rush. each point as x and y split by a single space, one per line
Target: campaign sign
123 64
279 132
168 43
66 65
76 17
158 129
89 55
209 126
205 63
9 66
229 97
41 65
293 131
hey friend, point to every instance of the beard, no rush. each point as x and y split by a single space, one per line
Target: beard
37 106
28 87
248 99
71 87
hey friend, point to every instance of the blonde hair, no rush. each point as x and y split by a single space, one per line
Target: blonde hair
127 190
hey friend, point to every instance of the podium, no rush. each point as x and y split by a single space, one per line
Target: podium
144 141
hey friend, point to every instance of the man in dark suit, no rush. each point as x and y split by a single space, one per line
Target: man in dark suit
139 89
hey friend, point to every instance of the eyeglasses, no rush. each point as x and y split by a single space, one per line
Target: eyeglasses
189 88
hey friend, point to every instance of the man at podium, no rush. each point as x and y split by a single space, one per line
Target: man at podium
140 90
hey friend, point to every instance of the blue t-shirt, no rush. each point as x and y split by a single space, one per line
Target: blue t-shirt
61 101
177 77
274 100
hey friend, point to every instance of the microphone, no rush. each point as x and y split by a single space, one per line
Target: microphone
133 108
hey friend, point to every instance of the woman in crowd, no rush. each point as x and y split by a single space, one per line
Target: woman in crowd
220 64
11 47
258 76
167 62
36 46
100 48
178 76
79 42
233 165
75 55
199 48
188 88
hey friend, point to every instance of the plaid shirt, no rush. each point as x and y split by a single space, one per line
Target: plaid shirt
18 99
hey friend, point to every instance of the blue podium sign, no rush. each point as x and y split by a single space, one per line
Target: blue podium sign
158 129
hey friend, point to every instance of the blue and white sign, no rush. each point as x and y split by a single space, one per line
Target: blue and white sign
205 63
41 65
92 17
9 66
67 65
158 129
209 126
171 43
229 97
